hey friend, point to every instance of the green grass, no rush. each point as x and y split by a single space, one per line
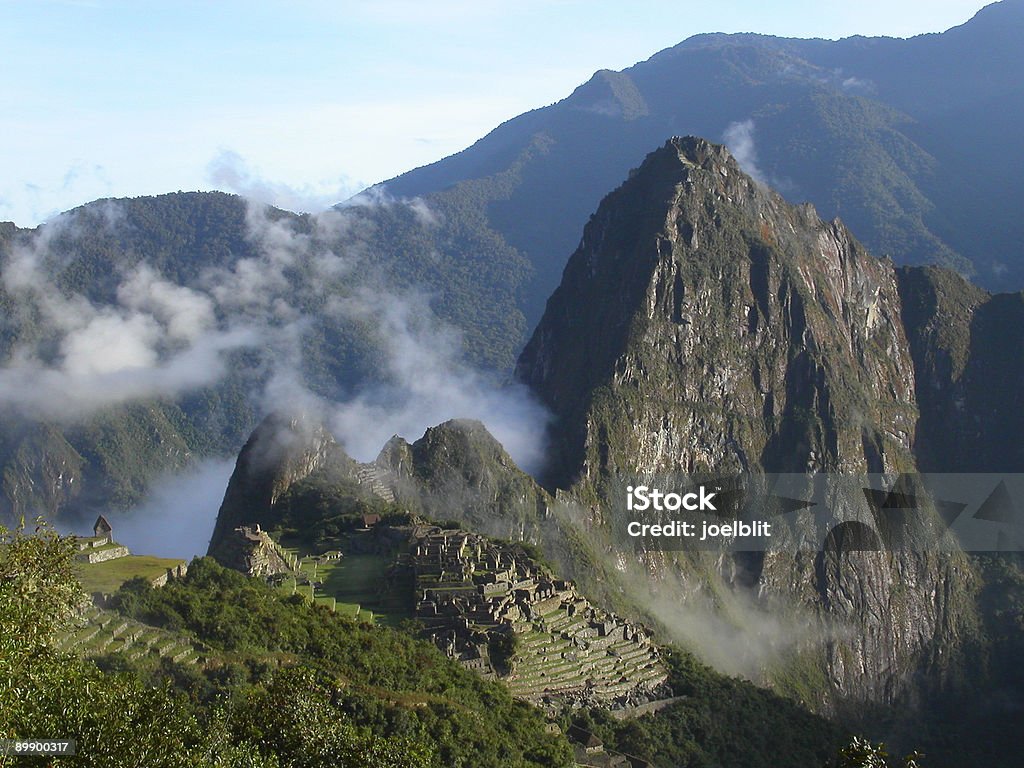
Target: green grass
329 602
353 585
288 586
351 610
96 637
104 547
109 576
356 578
82 540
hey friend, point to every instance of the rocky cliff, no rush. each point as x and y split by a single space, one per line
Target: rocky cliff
966 345
705 325
282 451
251 551
457 470
292 473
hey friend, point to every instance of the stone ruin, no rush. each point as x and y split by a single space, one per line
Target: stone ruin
470 591
252 551
101 548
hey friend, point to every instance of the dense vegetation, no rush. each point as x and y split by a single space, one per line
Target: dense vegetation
286 683
318 512
384 680
721 721
290 684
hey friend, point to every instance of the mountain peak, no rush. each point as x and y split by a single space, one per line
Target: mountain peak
693 150
705 326
284 449
1006 11
699 296
700 165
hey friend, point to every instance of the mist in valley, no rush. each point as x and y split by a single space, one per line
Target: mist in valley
155 338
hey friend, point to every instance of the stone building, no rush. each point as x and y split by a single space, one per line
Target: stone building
471 592
102 529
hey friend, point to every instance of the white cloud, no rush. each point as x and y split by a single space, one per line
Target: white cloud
229 171
429 384
158 338
858 85
185 313
110 344
739 138
155 339
177 517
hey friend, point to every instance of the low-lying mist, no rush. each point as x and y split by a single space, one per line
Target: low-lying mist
734 629
176 518
155 337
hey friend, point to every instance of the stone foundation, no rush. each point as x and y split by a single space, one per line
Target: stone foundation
102 555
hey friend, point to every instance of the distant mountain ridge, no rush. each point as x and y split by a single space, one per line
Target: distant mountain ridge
914 143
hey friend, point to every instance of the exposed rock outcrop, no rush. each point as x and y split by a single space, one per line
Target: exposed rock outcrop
251 551
705 325
966 345
457 470
282 451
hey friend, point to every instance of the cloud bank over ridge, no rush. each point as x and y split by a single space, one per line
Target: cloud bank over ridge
157 338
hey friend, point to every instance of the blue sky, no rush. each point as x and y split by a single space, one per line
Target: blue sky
302 103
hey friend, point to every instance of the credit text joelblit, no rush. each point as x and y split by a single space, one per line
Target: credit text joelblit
641 499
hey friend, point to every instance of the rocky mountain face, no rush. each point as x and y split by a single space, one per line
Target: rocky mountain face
43 473
704 325
282 451
457 470
53 469
966 345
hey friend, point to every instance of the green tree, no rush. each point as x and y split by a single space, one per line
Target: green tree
861 753
294 717
114 719
39 596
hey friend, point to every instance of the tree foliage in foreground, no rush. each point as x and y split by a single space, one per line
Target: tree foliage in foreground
353 701
862 753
